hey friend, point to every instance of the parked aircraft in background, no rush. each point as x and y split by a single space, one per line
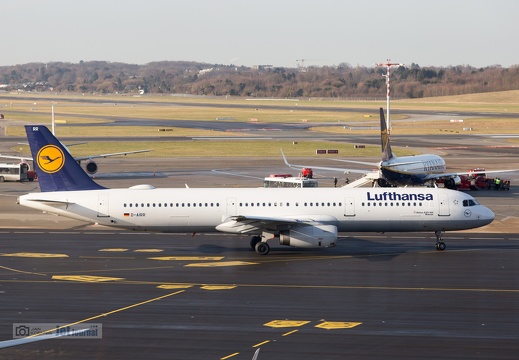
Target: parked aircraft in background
299 217
91 166
393 170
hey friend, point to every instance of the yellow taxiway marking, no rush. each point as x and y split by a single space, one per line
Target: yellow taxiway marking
148 250
218 287
261 343
187 258
174 286
85 278
329 325
286 323
229 356
114 250
290 332
109 313
220 264
37 255
21 271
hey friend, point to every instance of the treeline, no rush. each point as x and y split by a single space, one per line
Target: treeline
181 77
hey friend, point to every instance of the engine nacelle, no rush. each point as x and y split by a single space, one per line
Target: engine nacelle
309 236
91 167
452 182
382 182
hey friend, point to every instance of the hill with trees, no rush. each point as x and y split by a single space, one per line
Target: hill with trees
183 77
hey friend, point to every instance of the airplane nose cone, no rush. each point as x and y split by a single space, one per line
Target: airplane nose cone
486 216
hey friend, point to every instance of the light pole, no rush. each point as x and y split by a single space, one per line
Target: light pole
388 64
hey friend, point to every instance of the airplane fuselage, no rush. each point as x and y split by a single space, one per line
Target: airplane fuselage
203 210
411 170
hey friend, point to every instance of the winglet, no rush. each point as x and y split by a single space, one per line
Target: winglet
386 145
56 168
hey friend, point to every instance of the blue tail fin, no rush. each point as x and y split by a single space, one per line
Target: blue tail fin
386 145
56 168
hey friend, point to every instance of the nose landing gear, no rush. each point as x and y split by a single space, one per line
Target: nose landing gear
440 245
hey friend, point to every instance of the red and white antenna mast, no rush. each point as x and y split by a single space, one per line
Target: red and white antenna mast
388 64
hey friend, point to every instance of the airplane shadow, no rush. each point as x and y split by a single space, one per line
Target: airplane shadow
350 247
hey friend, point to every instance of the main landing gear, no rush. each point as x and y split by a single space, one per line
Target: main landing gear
260 247
440 245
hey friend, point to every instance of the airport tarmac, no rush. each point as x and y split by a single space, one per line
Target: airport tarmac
163 296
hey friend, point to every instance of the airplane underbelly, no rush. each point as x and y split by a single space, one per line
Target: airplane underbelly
402 178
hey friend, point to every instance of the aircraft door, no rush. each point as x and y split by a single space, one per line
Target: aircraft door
102 205
349 206
444 205
231 206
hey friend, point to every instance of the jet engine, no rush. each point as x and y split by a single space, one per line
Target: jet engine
91 167
309 236
452 182
382 182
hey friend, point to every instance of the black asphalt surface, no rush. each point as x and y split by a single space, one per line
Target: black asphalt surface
212 297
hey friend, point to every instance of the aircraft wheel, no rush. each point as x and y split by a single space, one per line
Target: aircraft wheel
253 241
440 246
262 248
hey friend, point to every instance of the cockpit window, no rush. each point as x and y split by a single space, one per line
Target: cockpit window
470 202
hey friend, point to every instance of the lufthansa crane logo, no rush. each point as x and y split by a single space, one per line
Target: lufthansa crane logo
50 159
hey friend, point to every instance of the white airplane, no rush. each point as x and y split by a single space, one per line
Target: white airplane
422 169
299 217
91 166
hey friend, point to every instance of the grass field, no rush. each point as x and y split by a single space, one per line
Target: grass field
71 109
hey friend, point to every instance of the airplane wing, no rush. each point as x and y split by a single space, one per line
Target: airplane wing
357 162
344 171
21 158
240 224
108 155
